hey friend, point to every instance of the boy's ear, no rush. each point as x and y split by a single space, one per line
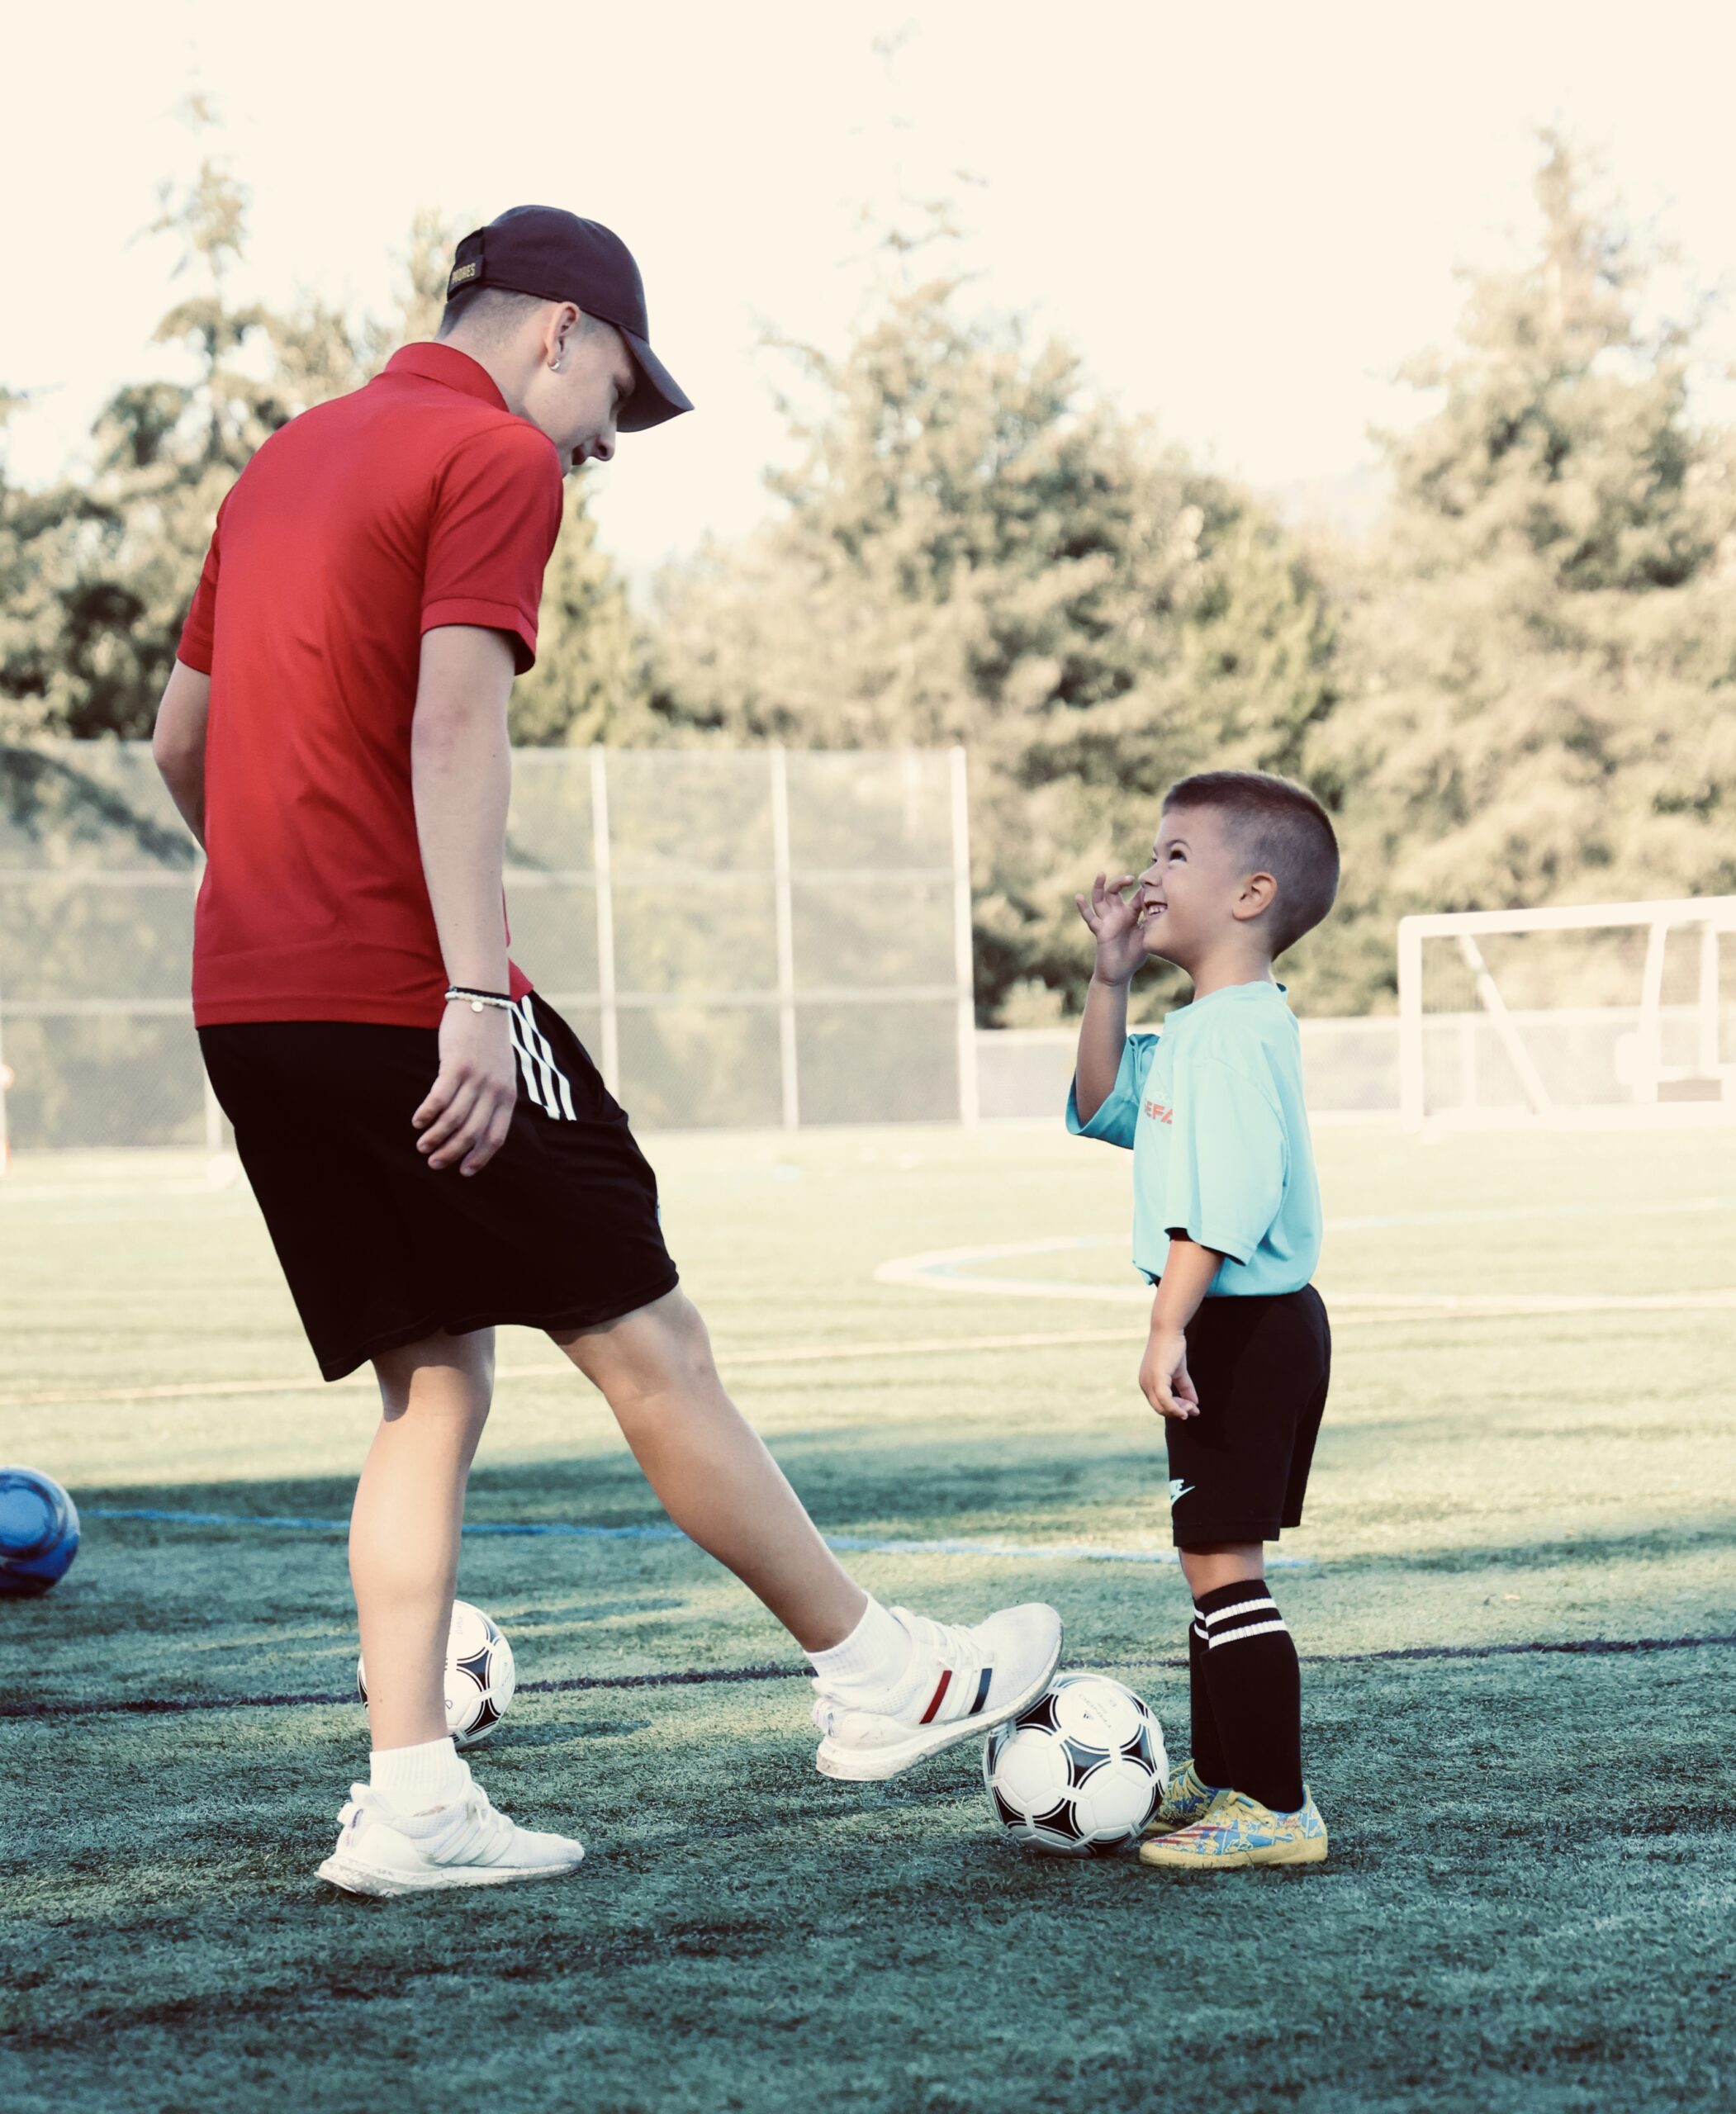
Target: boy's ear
1256 896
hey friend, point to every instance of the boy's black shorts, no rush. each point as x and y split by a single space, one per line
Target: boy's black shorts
1260 1366
558 1231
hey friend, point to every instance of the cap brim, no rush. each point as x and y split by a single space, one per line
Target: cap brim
656 395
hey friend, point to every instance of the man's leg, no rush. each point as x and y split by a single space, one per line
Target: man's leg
893 1687
405 1526
710 1468
420 1822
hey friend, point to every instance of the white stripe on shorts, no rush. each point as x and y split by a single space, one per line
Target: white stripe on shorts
554 1076
527 1064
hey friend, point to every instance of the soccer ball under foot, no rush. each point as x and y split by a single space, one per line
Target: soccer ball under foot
1080 1772
480 1675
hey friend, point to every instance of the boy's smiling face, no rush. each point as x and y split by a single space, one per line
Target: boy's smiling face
1189 893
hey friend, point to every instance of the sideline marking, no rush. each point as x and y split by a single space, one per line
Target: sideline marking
657 1531
703 1676
810 1354
948 1269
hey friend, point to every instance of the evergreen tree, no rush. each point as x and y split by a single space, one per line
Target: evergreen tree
969 551
1542 642
37 533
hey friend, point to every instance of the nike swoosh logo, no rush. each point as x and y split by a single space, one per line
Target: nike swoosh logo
1178 1488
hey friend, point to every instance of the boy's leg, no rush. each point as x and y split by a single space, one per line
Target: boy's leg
893 1687
1252 1675
1192 1788
1254 1681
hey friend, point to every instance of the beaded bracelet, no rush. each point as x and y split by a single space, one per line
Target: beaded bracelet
476 1000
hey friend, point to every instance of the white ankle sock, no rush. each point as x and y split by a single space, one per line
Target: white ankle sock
872 1660
420 1779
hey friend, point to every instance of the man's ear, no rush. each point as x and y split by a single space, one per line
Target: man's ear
1258 893
564 326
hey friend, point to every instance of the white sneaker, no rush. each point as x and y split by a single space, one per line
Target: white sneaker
381 1851
970 1679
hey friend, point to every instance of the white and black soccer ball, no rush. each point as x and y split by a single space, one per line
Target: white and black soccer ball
480 1675
1080 1772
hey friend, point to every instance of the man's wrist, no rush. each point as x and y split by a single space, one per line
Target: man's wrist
479 1000
1117 983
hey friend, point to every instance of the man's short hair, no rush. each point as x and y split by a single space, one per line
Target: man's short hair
1282 829
495 313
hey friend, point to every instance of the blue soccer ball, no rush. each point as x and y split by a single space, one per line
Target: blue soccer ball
39 1531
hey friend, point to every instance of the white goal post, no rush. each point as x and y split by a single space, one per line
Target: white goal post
1644 1057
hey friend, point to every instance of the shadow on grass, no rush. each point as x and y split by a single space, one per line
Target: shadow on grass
896 1487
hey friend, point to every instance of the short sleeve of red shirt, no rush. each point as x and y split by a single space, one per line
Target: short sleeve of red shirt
198 633
496 514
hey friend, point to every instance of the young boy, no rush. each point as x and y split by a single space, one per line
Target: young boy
1226 1224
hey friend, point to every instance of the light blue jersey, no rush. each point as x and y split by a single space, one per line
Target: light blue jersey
1213 1110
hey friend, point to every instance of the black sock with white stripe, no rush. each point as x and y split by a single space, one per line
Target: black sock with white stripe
1209 1764
1254 1683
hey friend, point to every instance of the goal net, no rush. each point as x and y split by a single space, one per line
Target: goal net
741 937
1616 1012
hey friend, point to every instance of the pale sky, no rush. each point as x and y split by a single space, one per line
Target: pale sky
1244 215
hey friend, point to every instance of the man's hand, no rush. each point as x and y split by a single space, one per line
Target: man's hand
464 1120
1115 925
1163 1379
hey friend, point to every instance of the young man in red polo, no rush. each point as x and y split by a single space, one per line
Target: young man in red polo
434 1151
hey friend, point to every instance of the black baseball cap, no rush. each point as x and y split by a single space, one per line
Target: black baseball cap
556 256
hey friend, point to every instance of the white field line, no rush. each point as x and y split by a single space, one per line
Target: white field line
949 1269
810 1354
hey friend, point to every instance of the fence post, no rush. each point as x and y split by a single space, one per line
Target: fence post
1651 1014
787 937
1711 1052
610 1054
1411 1107
6 1135
963 952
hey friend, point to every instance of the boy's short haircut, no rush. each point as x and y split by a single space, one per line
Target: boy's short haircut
1283 831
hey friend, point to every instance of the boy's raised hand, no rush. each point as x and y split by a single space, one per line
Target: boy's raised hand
1114 923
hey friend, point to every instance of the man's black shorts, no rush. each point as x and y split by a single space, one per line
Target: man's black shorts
558 1231
1260 1366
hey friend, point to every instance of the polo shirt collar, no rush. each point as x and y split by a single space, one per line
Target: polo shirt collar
446 363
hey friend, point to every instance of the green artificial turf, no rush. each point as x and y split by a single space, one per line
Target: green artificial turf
1530 1899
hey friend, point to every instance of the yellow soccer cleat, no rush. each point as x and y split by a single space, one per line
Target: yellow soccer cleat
1187 1798
1239 1831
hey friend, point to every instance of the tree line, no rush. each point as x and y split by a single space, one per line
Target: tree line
1514 691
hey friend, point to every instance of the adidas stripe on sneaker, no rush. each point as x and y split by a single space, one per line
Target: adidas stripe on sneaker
958 1684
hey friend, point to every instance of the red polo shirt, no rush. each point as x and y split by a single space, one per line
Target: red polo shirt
417 501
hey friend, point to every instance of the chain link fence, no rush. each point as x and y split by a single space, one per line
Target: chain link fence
741 937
